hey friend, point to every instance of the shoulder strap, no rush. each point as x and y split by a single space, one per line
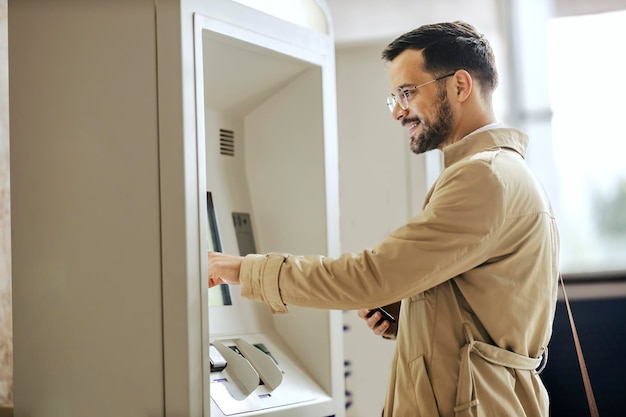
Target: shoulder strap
593 408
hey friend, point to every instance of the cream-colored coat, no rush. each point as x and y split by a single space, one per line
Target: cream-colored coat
476 271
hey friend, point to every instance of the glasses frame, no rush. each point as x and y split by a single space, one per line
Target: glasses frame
404 92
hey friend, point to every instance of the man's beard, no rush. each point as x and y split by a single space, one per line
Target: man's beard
432 136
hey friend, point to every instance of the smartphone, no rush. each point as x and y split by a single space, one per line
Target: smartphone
384 313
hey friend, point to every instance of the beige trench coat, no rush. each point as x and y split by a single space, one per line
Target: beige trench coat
476 271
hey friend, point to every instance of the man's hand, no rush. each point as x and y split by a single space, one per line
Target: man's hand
386 328
224 269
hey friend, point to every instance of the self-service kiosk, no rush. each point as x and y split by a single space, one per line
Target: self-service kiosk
266 111
142 108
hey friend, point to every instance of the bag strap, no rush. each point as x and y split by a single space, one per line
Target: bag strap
593 408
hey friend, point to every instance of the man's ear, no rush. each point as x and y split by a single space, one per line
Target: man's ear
464 84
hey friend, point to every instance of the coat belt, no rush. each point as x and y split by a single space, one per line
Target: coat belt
466 394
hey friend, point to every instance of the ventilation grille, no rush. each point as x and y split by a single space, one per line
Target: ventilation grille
227 142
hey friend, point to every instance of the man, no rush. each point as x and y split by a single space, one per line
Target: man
476 270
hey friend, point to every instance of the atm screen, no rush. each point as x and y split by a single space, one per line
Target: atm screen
220 295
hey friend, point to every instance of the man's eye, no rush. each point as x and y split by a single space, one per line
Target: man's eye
406 93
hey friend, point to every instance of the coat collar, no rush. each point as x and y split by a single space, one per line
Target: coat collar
484 140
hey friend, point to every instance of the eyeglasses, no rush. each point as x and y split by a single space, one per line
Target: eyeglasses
403 94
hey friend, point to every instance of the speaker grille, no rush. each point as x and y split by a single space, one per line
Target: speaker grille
227 142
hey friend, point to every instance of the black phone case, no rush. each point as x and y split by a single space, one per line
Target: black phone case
384 313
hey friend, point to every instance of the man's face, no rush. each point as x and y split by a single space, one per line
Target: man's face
429 117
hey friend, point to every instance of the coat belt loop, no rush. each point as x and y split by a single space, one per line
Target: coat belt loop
544 361
465 394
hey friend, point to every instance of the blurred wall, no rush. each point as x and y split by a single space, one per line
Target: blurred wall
578 7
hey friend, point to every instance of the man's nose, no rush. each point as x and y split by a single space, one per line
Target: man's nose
398 112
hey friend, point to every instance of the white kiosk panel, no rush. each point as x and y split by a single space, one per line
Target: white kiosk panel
269 125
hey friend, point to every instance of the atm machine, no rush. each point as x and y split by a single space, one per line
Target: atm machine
141 109
266 109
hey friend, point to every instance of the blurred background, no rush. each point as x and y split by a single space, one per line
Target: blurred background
560 64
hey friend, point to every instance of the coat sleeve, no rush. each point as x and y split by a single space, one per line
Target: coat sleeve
455 232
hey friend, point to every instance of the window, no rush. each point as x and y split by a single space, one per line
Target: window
587 91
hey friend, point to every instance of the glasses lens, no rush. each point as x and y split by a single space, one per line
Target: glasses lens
391 103
402 99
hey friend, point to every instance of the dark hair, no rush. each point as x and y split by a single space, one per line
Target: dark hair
449 47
